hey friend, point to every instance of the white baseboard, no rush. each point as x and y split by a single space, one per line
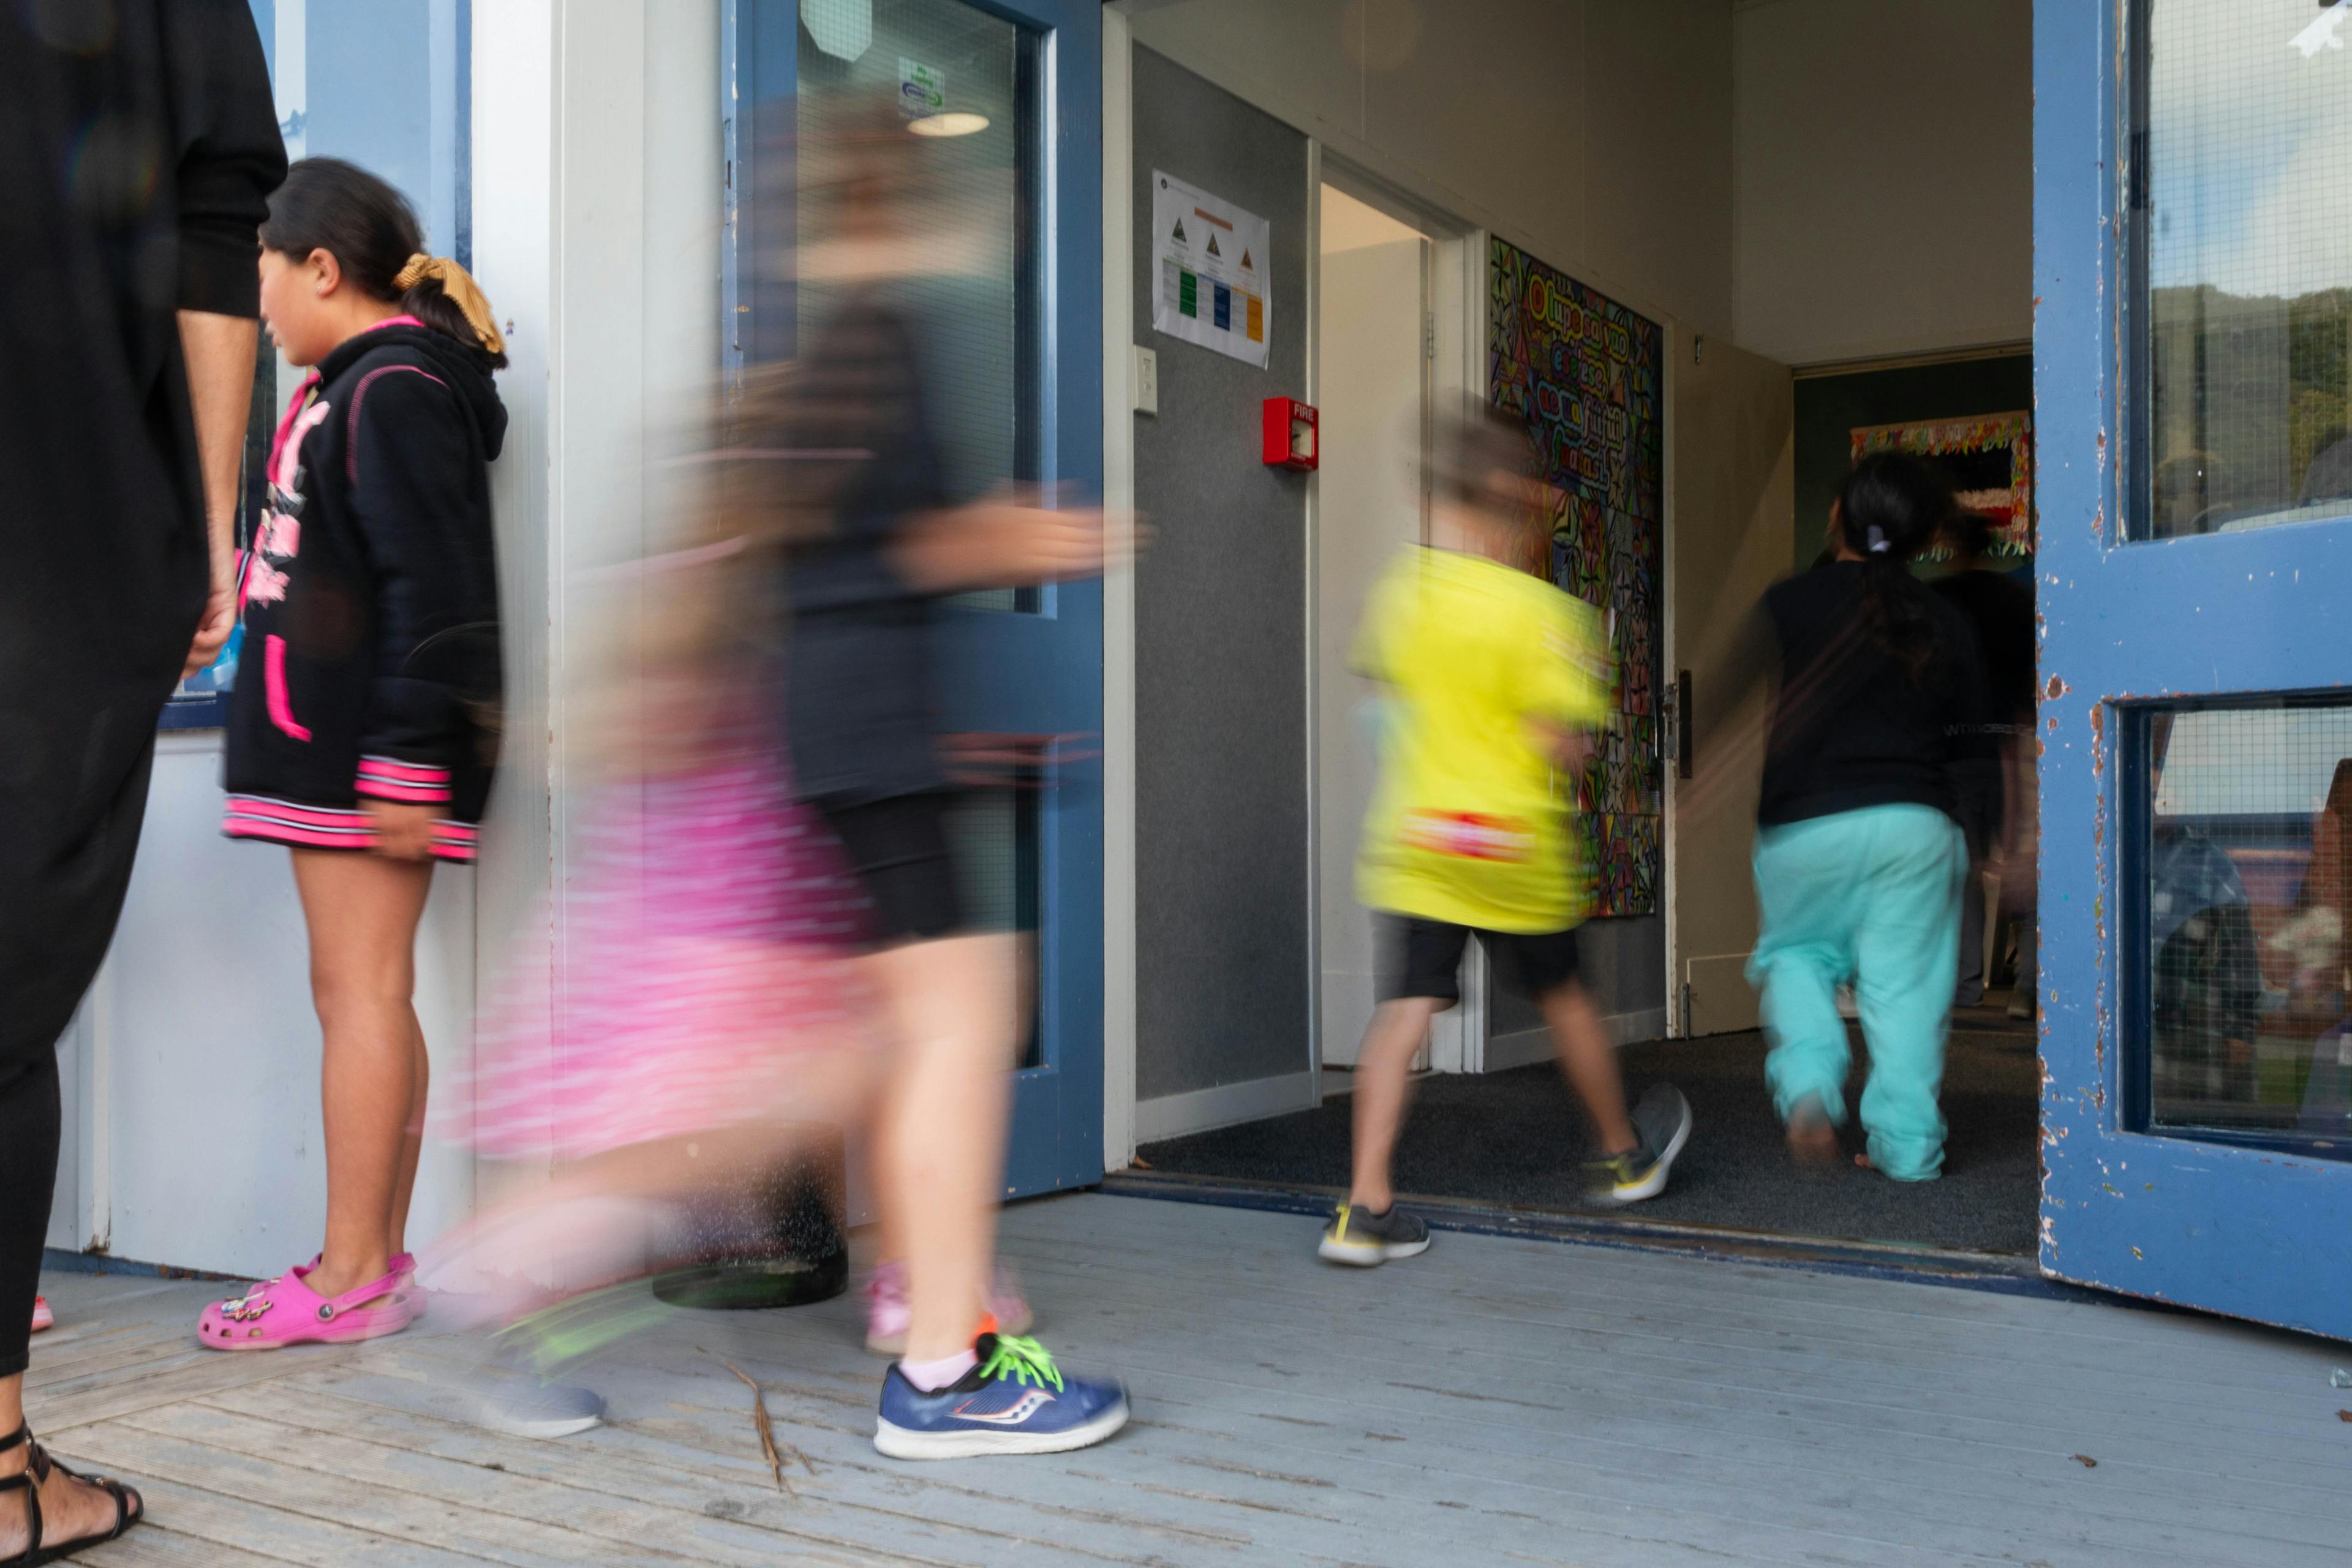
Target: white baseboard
1173 1115
1527 1045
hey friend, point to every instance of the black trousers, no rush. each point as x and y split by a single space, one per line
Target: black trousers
61 888
28 1176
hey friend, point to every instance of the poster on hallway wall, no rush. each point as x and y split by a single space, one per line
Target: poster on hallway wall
1988 458
1210 258
1586 375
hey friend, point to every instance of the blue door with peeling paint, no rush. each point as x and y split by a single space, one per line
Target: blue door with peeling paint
2193 369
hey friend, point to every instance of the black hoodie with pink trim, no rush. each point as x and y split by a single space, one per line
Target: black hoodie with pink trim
369 595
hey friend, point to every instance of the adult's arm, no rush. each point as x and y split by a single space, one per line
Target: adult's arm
219 353
229 158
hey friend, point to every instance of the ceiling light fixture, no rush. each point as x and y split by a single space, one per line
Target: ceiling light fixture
954 123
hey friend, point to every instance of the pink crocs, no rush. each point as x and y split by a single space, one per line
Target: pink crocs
286 1311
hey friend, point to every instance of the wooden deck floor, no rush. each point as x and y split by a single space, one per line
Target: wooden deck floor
1496 1401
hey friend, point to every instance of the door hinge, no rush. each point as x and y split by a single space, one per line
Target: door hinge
1683 725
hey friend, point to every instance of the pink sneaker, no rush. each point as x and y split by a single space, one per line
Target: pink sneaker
286 1311
42 1317
888 1314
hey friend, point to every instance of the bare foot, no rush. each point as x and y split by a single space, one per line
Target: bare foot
71 1509
1861 1163
1811 1140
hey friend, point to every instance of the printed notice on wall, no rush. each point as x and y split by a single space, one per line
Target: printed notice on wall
1211 258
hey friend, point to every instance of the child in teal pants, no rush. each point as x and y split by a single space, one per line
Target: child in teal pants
1870 896
1859 857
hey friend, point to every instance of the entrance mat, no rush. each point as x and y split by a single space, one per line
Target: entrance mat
1514 1141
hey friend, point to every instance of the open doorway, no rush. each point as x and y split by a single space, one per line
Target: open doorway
1492 1127
1848 280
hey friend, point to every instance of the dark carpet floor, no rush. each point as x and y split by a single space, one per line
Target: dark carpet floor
1516 1138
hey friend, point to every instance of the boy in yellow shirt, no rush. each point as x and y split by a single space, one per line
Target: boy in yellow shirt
1494 678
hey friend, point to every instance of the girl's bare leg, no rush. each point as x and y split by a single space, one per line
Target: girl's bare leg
362 911
519 1251
940 1136
412 1140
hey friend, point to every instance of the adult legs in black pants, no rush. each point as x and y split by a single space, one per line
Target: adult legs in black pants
63 873
29 1172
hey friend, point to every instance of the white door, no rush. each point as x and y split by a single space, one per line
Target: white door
1732 471
1373 381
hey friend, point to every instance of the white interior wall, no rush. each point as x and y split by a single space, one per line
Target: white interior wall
1593 132
1884 176
1371 299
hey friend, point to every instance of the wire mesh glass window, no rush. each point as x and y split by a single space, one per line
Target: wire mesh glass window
2243 977
2239 184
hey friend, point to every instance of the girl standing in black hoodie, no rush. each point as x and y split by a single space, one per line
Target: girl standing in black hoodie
362 730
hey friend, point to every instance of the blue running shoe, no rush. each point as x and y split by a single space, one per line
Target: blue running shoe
1014 1401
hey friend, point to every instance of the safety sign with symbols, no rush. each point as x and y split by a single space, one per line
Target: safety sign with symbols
1211 265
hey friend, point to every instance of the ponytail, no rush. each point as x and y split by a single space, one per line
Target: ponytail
444 296
326 203
1890 508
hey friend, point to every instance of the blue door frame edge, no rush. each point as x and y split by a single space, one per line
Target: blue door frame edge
2254 1233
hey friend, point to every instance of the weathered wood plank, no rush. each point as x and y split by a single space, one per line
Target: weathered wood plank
153 1545
258 1531
1500 1401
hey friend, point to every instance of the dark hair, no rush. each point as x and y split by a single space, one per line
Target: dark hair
1890 508
1969 534
371 230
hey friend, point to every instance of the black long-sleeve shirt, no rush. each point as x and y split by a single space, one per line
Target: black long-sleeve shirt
862 705
1852 727
138 149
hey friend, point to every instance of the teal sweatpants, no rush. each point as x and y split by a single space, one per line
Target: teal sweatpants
1870 896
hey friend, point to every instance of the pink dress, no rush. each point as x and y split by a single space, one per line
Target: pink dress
707 929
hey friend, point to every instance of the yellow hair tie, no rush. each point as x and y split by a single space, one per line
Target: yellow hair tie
463 292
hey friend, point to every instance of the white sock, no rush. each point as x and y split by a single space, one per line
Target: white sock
931 1376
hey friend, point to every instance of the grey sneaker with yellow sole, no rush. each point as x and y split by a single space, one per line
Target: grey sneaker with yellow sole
1360 1239
1662 1124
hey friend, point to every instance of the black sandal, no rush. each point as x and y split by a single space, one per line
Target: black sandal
128 1507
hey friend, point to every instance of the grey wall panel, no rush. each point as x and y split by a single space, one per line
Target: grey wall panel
1222 961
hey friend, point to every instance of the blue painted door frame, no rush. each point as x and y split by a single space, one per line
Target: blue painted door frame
1030 673
2253 1232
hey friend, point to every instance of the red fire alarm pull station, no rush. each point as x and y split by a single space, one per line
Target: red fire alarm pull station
1290 430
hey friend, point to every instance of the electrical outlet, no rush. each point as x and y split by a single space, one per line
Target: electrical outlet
1146 380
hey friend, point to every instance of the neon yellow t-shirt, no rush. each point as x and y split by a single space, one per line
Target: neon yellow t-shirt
1469 823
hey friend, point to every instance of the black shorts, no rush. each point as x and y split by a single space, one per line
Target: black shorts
1422 958
898 848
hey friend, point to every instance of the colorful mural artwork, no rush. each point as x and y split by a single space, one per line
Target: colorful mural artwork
1587 374
1989 457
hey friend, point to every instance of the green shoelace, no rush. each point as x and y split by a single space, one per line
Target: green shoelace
1022 1361
555 1337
